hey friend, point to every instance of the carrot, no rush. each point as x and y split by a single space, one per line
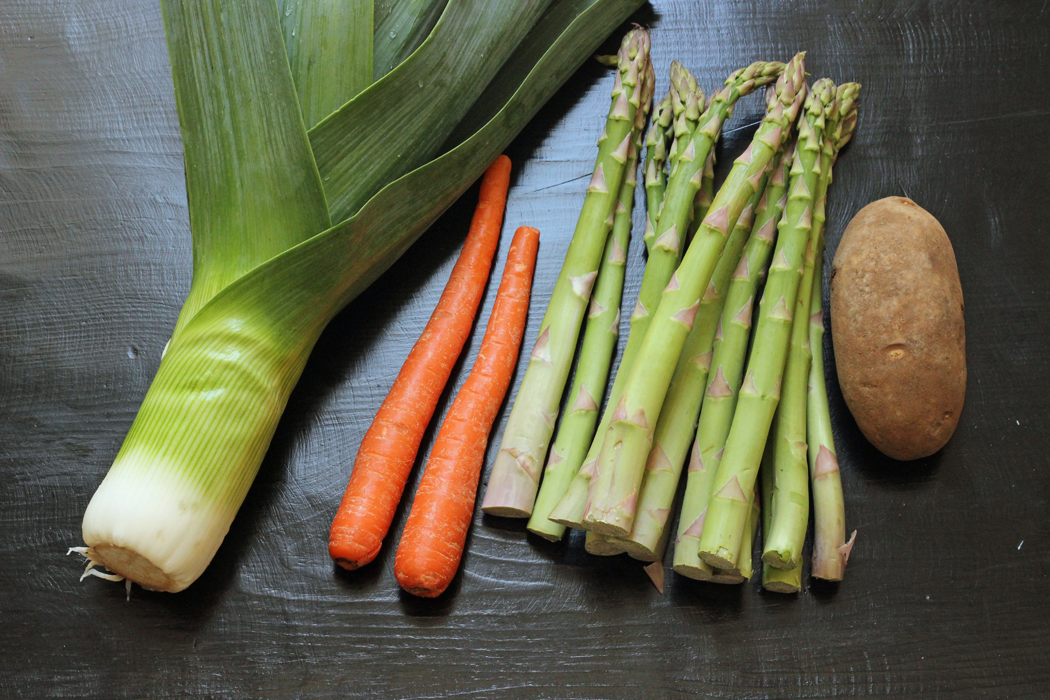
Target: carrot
432 544
388 450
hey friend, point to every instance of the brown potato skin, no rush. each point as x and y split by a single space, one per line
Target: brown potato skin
898 330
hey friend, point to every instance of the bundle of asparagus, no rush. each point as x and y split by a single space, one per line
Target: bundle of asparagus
782 346
613 493
678 417
778 373
682 372
684 182
729 356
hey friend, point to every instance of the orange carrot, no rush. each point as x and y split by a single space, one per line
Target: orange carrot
388 450
432 544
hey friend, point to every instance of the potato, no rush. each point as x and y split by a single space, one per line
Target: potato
897 324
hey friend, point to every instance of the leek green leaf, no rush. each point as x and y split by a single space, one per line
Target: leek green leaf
251 181
400 122
329 46
400 27
538 41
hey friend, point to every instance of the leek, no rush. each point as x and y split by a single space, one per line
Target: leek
329 47
399 28
270 270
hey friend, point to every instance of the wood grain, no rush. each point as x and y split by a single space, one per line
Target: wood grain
945 596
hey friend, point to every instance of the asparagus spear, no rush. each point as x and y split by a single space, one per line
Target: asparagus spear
702 201
657 141
747 544
614 491
791 512
787 532
747 569
830 549
729 356
655 184
760 391
663 259
818 428
660 134
515 475
776 580
674 431
687 102
596 350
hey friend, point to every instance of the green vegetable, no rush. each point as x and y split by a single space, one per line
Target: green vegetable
747 545
830 548
400 27
787 532
329 46
702 201
664 254
269 269
657 141
728 357
776 580
745 569
515 474
596 350
674 431
687 102
614 490
760 391
356 158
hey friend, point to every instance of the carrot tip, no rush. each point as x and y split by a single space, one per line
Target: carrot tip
422 592
352 555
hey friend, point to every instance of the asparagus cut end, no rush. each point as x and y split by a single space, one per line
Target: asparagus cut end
831 566
506 512
781 559
607 529
731 578
697 572
601 546
550 531
511 492
721 558
636 550
781 585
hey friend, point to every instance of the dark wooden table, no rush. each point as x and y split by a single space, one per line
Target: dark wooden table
946 594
